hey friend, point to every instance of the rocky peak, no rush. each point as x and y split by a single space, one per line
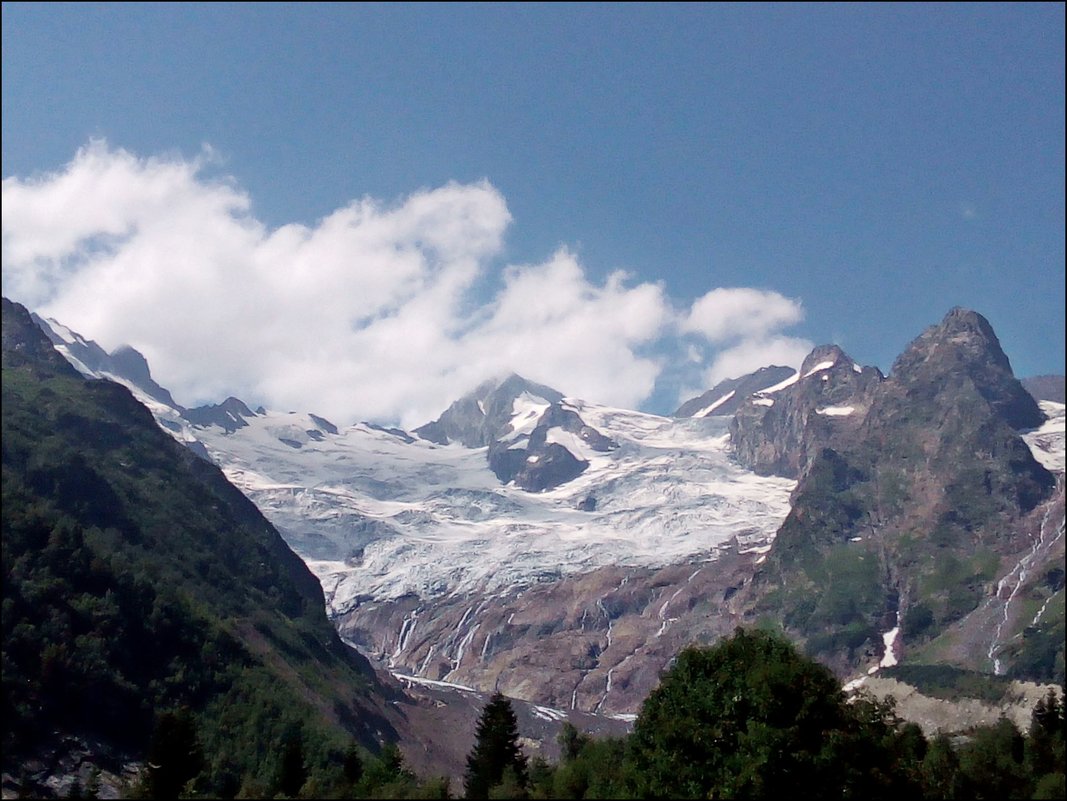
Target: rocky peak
230 415
483 415
516 419
24 343
931 475
829 355
963 351
93 361
781 430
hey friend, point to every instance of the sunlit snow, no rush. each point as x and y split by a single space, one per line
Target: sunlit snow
788 382
1047 442
377 517
819 367
836 411
709 409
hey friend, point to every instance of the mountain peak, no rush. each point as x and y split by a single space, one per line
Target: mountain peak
726 397
479 417
514 385
229 415
964 347
25 343
124 364
962 330
823 357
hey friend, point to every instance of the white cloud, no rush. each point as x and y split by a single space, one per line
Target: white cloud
368 314
749 355
735 313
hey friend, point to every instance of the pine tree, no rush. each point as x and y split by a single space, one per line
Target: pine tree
174 754
495 750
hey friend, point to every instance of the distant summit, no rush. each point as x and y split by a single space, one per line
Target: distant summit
535 439
481 416
93 361
1046 387
229 415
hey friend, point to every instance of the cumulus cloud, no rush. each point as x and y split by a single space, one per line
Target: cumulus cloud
745 324
370 313
736 313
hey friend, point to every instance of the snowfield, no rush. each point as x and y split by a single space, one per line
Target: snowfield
1047 442
377 516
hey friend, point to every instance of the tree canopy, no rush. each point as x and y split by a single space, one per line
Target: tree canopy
750 717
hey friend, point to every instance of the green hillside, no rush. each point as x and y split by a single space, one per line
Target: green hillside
149 608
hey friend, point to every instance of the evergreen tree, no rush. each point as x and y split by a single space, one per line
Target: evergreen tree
174 755
353 764
495 751
292 772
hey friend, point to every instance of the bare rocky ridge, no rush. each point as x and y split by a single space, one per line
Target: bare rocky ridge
1046 387
726 397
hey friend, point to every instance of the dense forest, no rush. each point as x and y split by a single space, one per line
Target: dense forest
150 612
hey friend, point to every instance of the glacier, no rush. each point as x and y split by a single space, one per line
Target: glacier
379 516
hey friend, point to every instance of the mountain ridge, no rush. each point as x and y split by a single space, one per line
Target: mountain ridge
626 615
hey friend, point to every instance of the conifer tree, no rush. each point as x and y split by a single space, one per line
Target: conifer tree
495 751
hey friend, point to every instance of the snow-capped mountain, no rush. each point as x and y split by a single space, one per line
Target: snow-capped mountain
379 514
555 549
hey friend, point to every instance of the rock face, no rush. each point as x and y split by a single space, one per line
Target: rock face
595 642
516 419
959 356
904 520
726 397
229 415
780 431
22 344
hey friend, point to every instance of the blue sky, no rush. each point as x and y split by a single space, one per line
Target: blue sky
864 167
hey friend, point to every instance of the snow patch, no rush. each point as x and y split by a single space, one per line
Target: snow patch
758 549
819 367
547 713
855 684
709 409
889 639
526 411
781 384
763 401
836 411
578 447
1047 442
405 677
